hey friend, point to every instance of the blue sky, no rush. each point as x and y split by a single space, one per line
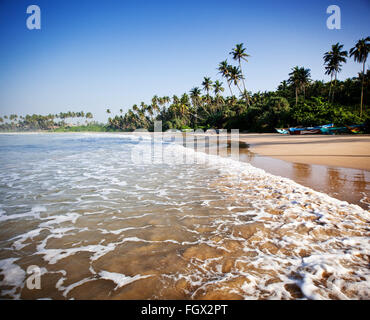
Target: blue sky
91 55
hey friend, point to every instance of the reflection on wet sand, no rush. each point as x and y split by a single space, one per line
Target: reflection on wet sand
335 181
302 170
352 185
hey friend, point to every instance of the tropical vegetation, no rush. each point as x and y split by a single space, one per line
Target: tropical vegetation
298 100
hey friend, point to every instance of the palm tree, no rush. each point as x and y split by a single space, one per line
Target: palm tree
235 76
135 109
217 87
149 109
244 95
108 111
333 59
155 102
360 52
304 75
283 85
195 96
330 70
223 69
207 84
239 54
299 77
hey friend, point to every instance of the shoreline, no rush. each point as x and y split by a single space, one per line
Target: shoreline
345 151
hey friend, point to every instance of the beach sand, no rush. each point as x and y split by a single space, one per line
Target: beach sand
339 151
336 165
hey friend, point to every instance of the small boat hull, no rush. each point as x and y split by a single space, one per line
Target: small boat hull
282 131
309 130
346 129
305 131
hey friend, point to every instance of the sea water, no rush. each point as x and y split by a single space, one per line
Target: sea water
99 225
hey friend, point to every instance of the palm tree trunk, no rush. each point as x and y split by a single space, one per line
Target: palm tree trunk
240 67
228 83
335 83
296 96
362 87
331 84
239 89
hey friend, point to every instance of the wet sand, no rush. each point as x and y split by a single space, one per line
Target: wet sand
226 230
351 185
336 165
347 151
339 174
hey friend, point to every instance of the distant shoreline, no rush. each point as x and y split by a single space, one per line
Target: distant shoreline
344 151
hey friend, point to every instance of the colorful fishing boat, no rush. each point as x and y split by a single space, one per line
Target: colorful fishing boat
355 128
309 130
346 129
282 131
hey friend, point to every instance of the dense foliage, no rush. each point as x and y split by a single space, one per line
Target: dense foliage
40 122
297 101
266 111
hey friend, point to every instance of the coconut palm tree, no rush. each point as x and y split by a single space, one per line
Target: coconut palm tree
155 103
333 59
223 69
235 76
195 95
330 70
217 87
299 78
239 54
360 53
89 115
108 111
244 95
207 84
305 79
283 85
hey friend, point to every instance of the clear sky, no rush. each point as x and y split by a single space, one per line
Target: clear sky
92 55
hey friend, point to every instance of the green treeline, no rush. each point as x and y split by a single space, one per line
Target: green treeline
34 122
298 100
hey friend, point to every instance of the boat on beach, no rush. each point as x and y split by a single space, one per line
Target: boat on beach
345 129
308 130
303 130
282 131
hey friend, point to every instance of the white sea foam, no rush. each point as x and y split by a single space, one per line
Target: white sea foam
119 279
13 276
199 207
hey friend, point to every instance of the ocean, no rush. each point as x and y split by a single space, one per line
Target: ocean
99 224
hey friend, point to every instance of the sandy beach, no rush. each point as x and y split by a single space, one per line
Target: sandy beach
339 151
